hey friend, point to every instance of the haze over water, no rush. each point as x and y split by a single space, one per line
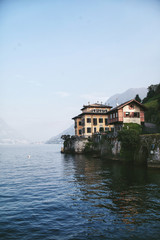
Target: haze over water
55 196
58 55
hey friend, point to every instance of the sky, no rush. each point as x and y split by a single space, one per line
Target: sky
56 55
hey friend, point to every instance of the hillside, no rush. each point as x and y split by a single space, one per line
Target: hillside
120 98
152 103
127 95
57 139
9 136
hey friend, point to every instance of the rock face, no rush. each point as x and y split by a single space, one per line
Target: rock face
148 152
75 145
150 149
112 101
108 148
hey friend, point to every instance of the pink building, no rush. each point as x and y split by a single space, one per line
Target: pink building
128 112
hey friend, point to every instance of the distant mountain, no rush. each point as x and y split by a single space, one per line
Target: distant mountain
57 139
127 95
9 135
112 101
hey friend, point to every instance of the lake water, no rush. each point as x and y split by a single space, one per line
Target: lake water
56 196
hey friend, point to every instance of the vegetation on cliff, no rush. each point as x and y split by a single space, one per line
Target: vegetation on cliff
152 103
129 137
91 146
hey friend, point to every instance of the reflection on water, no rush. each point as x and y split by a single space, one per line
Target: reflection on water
56 196
123 195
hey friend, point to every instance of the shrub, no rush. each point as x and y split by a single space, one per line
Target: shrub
133 126
65 137
130 139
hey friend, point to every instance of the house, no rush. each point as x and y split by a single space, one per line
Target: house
96 118
128 112
93 119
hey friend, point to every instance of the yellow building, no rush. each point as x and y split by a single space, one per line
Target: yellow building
93 119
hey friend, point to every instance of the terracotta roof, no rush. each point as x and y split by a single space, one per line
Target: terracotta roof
126 103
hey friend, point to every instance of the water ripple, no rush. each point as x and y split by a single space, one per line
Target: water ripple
54 196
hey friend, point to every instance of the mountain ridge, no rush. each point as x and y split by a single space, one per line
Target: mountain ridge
129 94
10 136
57 138
112 101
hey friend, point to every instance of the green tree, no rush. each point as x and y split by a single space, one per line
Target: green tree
159 103
65 137
129 137
137 98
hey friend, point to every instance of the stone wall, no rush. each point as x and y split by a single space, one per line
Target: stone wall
150 149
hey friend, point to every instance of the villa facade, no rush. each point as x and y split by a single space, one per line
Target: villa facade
96 118
128 112
93 119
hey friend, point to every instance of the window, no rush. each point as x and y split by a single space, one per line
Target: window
88 120
113 115
94 121
83 122
132 114
106 129
126 114
75 125
80 132
80 123
83 130
116 114
88 130
100 120
136 114
95 130
101 129
106 121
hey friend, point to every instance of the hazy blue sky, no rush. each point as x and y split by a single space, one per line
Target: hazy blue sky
57 55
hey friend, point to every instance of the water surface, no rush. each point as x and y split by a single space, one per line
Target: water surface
56 196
